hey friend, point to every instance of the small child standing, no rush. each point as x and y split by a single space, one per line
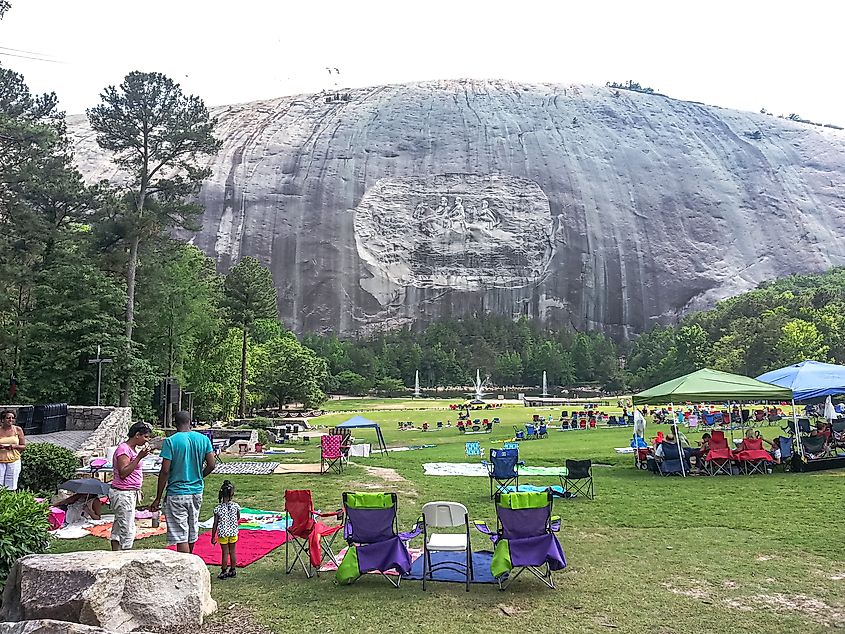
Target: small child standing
227 515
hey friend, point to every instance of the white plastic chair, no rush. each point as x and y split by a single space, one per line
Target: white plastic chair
446 515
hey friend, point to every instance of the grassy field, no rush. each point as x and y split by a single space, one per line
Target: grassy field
649 554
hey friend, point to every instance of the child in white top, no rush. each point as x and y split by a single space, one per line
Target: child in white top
227 515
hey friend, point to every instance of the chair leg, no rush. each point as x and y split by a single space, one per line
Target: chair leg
469 567
425 565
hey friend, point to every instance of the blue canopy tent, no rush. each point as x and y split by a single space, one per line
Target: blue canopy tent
360 421
809 380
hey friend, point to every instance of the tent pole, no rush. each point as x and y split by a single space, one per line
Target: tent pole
678 439
795 428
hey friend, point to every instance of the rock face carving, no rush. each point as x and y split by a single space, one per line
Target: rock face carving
655 205
442 232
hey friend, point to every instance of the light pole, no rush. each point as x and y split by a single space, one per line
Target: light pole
190 396
99 361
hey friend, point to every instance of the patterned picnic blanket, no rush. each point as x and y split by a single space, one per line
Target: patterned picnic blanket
245 468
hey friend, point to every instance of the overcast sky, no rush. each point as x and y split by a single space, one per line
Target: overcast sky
743 54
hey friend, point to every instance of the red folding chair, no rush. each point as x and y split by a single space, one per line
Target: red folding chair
752 457
308 536
719 457
331 454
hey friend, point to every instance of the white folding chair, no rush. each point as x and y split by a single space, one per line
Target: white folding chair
446 515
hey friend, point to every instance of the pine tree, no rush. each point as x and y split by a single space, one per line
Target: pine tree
157 135
249 295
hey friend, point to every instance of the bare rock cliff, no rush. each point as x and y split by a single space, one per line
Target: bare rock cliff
577 205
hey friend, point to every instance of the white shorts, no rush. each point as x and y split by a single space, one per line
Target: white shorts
123 506
183 517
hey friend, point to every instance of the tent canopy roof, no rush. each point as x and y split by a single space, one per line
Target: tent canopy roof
809 380
358 421
712 385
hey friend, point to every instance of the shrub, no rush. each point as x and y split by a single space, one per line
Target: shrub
23 527
44 466
264 437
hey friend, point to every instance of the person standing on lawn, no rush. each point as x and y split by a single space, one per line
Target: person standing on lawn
227 515
187 458
127 479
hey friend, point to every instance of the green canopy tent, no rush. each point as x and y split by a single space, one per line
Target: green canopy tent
711 385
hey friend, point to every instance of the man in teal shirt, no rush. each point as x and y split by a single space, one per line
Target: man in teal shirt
187 458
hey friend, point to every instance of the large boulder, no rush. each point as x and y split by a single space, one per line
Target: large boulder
120 591
50 626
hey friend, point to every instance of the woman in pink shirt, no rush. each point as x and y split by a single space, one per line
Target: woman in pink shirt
126 484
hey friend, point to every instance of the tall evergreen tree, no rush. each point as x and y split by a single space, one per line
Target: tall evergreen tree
249 295
157 135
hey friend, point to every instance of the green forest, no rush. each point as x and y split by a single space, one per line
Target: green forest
85 265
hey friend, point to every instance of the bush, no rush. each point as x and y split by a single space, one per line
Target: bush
45 466
23 526
264 437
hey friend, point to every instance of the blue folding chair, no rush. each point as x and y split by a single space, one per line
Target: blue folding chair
502 469
530 432
473 449
542 431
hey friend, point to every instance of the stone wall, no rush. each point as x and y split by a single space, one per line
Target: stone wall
111 431
79 417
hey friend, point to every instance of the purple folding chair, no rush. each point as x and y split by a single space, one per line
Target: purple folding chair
524 538
375 543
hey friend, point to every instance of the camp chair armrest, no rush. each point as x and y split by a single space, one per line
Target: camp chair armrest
482 527
414 532
555 523
338 513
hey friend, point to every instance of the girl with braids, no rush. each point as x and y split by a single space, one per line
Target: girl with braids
227 514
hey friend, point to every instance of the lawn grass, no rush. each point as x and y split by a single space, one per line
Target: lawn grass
649 554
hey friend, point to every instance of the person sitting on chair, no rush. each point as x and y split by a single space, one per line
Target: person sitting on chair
699 452
669 439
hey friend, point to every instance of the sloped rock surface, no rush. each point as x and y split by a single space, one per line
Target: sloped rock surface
121 591
50 626
604 209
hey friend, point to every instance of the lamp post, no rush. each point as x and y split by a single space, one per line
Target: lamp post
99 361
190 396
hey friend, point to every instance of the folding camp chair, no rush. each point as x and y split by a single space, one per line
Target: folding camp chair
524 538
530 432
307 535
785 446
473 449
502 469
803 427
331 454
542 431
579 478
375 543
814 446
837 433
445 515
518 434
753 458
672 462
718 459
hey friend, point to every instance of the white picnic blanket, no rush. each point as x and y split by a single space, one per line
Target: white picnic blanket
455 469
